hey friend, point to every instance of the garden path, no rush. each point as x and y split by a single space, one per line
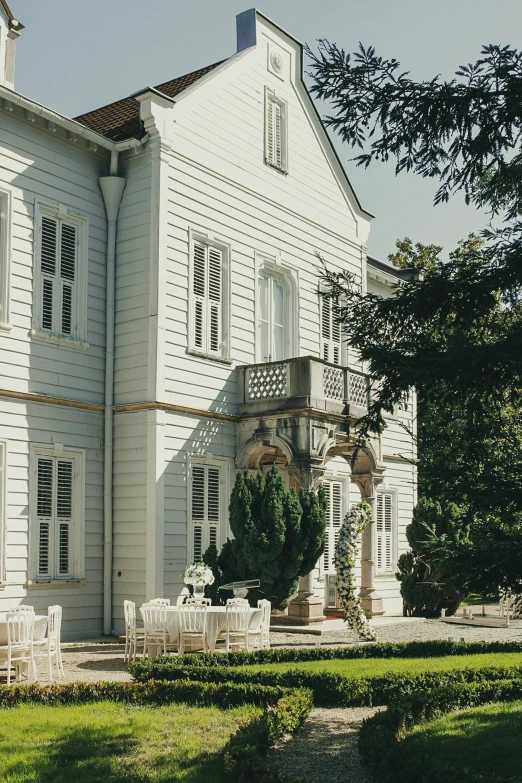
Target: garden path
325 748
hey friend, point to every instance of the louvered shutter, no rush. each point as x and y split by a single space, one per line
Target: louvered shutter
274 133
44 511
215 265
270 132
384 533
330 332
48 264
68 260
206 509
64 506
208 298
334 518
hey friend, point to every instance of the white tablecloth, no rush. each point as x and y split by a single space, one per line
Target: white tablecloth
216 622
40 625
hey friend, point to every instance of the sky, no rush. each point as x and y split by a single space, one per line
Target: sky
75 56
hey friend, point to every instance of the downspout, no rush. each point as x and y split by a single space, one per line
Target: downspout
112 188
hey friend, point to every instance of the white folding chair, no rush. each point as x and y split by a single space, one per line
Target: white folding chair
132 637
50 647
237 627
237 602
154 627
192 625
22 608
160 601
20 632
266 609
202 601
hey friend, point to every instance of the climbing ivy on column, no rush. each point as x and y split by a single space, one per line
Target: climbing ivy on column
353 526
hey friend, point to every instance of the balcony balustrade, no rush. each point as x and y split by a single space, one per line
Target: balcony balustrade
300 383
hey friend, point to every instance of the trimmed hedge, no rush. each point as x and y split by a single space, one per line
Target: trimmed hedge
328 689
284 710
380 736
434 649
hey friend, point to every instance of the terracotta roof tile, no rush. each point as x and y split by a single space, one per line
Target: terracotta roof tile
121 120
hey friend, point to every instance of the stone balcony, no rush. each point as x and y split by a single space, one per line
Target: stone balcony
302 383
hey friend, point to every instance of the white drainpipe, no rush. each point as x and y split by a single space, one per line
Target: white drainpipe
112 188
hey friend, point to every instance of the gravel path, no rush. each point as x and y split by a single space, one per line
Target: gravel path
423 630
325 748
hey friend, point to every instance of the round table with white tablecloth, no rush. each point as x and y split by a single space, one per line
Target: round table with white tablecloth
40 626
216 622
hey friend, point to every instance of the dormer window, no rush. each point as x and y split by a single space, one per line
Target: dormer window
276 114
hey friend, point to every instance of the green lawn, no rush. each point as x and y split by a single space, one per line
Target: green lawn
115 743
481 741
367 667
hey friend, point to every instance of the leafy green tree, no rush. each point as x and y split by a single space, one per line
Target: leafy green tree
278 535
455 332
425 586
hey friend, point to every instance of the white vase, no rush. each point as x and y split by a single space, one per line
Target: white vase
199 590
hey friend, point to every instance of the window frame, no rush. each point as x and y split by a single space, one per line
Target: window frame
6 219
289 277
3 511
271 97
198 237
78 335
394 532
77 547
222 464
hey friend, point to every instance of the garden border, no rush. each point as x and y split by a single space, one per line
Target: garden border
284 710
380 736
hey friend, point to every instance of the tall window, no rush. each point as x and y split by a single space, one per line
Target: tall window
330 331
57 519
207 333
206 508
60 279
385 530
276 132
5 261
334 519
272 318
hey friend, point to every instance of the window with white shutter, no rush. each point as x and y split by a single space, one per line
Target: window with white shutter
205 509
330 331
207 312
60 278
58 518
334 520
384 534
276 132
5 253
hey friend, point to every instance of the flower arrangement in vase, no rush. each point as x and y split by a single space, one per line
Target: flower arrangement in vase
199 576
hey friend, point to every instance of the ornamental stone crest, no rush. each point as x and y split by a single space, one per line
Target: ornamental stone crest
276 61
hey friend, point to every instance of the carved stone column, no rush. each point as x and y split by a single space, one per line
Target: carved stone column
370 599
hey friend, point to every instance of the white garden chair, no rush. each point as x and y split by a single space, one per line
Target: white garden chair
204 601
160 601
132 637
50 647
266 609
192 625
237 602
154 627
237 627
22 608
19 649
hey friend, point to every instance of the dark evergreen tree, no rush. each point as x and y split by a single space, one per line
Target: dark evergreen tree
425 586
273 540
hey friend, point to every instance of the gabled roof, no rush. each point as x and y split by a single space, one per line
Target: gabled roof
403 274
121 120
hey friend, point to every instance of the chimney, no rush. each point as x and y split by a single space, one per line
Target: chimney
10 29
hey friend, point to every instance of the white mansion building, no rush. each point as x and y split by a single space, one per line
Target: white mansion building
161 326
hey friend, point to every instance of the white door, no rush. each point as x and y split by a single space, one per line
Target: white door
272 318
